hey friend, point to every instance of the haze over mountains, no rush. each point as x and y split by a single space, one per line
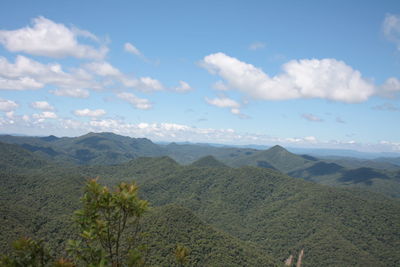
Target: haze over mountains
230 206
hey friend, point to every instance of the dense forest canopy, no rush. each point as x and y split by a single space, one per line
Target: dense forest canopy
228 206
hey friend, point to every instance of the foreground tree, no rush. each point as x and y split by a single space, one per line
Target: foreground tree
27 252
103 221
108 233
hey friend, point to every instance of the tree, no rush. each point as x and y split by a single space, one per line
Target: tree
181 254
27 252
102 224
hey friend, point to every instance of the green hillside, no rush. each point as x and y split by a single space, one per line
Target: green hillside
208 161
14 156
40 204
89 149
169 225
281 214
257 209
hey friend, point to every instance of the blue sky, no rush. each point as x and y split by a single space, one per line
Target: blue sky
296 73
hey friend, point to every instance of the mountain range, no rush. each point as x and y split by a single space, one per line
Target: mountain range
381 175
252 214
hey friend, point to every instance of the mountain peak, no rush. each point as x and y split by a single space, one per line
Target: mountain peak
208 161
278 148
49 138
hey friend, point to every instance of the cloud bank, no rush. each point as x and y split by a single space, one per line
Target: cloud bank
308 78
47 38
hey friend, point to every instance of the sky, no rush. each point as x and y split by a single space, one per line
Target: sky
315 74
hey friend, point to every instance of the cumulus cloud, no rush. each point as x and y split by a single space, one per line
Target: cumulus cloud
308 78
223 102
45 115
47 38
220 85
311 117
71 92
26 73
183 87
390 88
105 69
391 28
130 48
42 105
19 84
256 46
149 84
89 113
226 102
7 105
139 103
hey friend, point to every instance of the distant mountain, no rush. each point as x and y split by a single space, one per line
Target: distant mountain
14 156
92 148
323 152
392 160
110 149
208 161
275 158
188 153
353 163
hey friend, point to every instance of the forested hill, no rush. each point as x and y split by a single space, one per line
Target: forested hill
380 175
257 209
282 215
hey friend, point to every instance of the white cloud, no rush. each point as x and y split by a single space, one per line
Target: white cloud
45 115
148 84
42 105
132 49
223 102
256 46
220 85
103 69
183 87
47 38
391 28
10 114
26 73
395 146
307 78
390 88
311 117
71 92
139 103
19 84
89 113
226 102
7 105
